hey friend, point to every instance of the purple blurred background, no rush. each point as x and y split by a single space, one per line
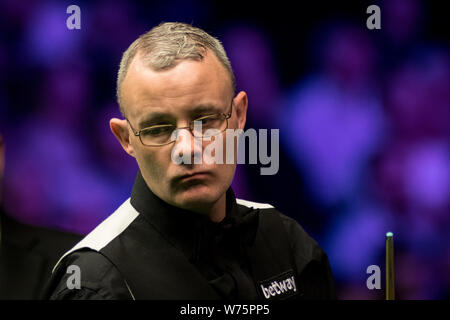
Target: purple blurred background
363 118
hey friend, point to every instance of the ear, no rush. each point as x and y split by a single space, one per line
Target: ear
240 103
120 130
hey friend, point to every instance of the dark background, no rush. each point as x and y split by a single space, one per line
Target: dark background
363 118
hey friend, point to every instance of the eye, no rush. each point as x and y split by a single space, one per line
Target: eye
158 130
206 120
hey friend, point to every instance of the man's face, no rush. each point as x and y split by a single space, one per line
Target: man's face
177 96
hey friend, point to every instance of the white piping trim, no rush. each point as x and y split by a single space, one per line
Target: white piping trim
106 231
255 205
129 290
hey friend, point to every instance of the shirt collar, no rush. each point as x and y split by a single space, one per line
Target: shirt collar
180 227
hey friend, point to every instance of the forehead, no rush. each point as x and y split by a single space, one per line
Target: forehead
176 89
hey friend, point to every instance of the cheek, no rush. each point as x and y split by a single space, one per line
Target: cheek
227 175
155 164
225 170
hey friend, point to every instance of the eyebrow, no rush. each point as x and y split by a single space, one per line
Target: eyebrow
153 118
205 108
158 117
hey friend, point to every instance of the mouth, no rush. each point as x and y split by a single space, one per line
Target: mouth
193 176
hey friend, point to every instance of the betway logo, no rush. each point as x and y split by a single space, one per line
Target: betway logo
279 287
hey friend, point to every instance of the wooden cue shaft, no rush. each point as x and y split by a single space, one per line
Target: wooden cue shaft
390 284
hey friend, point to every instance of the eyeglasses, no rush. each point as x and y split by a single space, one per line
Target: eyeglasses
160 135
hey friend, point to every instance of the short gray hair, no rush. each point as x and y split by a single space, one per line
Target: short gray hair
166 44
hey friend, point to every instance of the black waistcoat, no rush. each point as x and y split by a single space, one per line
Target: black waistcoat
156 255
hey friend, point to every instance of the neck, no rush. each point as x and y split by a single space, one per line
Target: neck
217 211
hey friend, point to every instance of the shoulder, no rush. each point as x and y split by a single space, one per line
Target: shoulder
311 263
301 242
266 209
106 231
99 276
86 274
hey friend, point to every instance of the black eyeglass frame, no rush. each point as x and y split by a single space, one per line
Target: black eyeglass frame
190 127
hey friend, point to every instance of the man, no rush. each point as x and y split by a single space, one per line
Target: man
27 253
183 234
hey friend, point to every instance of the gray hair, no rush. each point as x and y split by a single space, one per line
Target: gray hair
166 44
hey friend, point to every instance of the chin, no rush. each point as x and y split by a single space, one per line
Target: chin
197 196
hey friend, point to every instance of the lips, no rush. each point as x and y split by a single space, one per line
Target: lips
192 176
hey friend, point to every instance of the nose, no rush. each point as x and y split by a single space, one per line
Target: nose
187 148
